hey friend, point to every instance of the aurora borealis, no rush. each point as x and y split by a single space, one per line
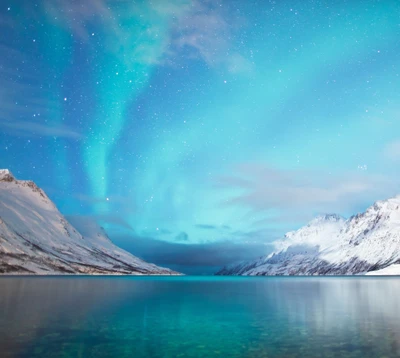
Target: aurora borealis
197 131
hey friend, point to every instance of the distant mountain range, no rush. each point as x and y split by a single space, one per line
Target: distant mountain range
367 243
36 239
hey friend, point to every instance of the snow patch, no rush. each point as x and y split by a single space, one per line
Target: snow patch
392 270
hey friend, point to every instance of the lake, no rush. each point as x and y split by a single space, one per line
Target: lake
199 317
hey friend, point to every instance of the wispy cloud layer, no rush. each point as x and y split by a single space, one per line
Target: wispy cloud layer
197 29
392 150
36 129
94 220
300 193
27 107
199 258
206 32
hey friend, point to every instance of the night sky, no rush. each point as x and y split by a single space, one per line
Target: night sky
197 131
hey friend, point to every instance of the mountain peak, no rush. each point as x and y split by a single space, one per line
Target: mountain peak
6 175
326 218
389 205
394 200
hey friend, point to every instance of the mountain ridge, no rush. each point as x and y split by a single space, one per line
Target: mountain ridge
35 238
330 245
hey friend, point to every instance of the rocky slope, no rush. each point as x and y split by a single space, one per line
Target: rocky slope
330 245
36 239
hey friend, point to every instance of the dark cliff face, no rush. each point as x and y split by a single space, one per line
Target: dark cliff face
304 267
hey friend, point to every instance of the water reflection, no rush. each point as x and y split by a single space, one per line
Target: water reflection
200 317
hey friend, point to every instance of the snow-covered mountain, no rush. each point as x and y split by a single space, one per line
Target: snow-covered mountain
331 245
36 239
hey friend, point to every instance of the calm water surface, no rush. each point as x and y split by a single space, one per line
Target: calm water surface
199 317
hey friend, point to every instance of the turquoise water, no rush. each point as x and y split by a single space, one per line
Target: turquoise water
199 317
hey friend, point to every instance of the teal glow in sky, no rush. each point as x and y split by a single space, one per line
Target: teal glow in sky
199 124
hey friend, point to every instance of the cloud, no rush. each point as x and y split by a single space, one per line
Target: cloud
198 29
183 236
206 227
192 258
74 15
392 150
99 219
136 33
293 194
127 30
27 107
31 128
204 31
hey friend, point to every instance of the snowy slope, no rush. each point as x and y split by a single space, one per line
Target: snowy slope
392 270
295 249
373 236
329 245
36 238
317 234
